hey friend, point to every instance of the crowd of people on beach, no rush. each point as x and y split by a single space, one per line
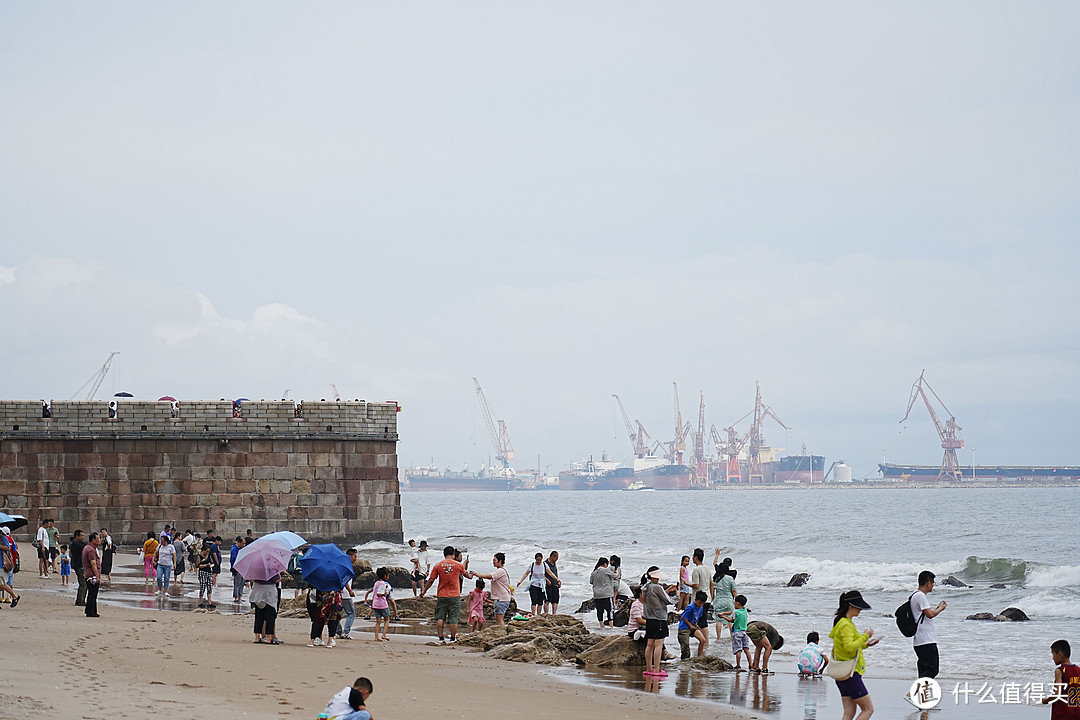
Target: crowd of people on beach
703 600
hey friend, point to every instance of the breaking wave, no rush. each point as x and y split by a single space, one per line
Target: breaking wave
843 574
1025 572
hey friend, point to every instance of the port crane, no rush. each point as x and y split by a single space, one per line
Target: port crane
500 439
730 447
638 436
755 473
949 431
96 380
701 468
677 446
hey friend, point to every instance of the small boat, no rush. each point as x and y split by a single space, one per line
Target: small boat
639 486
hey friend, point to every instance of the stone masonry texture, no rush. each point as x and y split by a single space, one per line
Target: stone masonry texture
329 475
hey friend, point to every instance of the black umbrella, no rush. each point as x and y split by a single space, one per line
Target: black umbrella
123 394
13 522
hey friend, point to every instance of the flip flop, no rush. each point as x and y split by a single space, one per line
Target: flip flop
259 642
276 641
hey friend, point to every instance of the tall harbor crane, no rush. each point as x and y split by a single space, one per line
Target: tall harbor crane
948 432
638 436
677 446
500 439
755 473
95 382
701 468
730 447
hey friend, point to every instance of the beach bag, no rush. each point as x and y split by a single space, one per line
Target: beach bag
841 669
905 619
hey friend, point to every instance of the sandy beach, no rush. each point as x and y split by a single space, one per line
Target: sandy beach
137 659
132 662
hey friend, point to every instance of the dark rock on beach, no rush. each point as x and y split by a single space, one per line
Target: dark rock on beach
999 586
563 633
586 606
798 579
1014 614
710 663
615 651
399 578
538 650
787 612
952 581
1007 615
622 614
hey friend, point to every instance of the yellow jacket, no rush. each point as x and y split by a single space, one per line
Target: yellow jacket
849 643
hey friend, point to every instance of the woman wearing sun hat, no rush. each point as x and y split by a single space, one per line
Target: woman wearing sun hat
848 644
656 601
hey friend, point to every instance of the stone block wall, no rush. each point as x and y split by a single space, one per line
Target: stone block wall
330 476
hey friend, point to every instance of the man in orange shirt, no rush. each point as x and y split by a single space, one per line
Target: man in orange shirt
449 573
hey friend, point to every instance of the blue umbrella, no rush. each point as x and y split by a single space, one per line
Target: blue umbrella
13 522
286 536
326 567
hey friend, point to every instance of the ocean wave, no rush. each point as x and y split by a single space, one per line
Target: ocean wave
380 546
1026 572
995 569
844 575
1057 603
1053 576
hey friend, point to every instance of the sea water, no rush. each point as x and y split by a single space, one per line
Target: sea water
873 540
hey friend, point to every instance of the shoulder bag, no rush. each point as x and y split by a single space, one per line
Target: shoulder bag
841 669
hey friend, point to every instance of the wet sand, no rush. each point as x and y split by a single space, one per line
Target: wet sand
148 655
134 662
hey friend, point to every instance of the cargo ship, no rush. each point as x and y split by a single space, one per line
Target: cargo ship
430 479
662 474
592 474
796 469
988 473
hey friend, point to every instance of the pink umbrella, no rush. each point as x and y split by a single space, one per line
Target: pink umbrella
166 398
262 560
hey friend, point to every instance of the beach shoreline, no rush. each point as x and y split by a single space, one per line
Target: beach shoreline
204 664
133 661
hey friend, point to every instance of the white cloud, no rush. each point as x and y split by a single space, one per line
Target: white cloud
7 275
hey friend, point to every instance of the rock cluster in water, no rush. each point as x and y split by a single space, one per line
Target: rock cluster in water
1007 615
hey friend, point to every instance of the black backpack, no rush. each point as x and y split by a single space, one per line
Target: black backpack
905 619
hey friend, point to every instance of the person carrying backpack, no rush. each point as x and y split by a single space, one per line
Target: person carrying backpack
919 613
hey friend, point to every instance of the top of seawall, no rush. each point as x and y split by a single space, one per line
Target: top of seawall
127 418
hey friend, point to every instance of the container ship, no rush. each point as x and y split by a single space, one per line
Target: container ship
592 474
989 473
662 474
429 479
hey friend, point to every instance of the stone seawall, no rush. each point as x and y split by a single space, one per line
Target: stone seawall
330 475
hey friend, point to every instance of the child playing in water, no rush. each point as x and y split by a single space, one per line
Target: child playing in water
684 582
476 606
740 641
380 604
65 565
812 660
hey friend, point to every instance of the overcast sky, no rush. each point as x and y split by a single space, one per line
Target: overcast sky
565 200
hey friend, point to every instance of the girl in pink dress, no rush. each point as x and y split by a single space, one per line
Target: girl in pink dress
476 606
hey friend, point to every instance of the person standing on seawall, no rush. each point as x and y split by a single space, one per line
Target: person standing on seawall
925 640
